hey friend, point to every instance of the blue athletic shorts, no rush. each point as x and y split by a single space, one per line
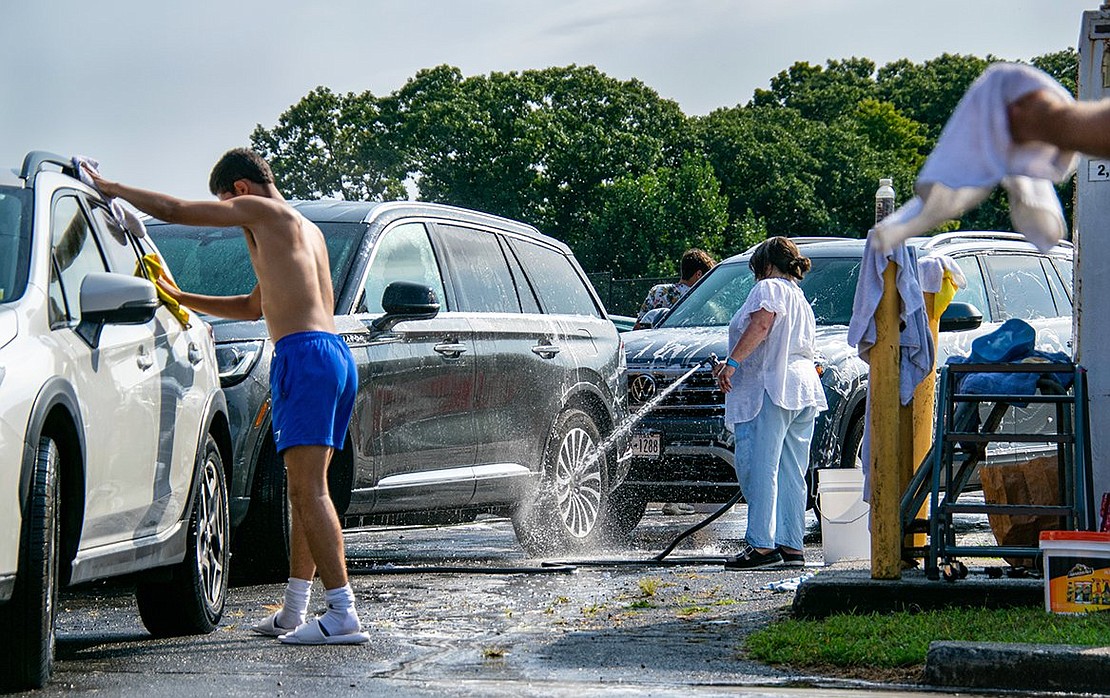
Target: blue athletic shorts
313 380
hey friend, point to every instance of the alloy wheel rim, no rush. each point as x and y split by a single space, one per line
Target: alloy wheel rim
210 536
578 474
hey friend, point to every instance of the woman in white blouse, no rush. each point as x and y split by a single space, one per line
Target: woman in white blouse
772 397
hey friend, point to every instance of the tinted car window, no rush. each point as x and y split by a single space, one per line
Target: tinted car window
563 290
15 242
1066 268
1063 300
1021 286
122 257
975 292
76 253
215 261
402 253
483 282
830 286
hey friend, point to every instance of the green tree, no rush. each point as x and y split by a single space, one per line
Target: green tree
642 224
1063 66
820 94
328 145
928 92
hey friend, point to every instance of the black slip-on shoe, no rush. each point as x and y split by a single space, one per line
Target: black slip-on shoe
752 559
790 559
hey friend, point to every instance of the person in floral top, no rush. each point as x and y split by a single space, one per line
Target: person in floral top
694 264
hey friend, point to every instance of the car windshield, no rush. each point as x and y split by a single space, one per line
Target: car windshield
215 261
15 242
829 286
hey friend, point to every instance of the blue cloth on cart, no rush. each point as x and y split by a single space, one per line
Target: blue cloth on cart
1013 342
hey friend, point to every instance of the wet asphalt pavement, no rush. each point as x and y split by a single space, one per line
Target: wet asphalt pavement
618 630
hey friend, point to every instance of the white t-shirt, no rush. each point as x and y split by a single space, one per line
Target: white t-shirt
783 364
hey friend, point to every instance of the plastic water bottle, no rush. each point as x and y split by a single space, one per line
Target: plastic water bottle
884 199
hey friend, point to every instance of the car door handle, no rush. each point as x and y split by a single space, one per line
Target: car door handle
195 354
144 360
450 349
545 351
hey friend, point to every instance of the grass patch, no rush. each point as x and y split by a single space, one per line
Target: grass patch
899 640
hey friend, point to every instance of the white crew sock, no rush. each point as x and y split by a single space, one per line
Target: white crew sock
295 605
341 618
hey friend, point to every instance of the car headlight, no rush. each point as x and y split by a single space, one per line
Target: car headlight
236 360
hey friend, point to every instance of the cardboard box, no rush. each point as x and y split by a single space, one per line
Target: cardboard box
1077 571
1035 481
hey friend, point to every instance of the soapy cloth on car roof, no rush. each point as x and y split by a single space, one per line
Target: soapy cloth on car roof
154 269
123 216
975 153
940 275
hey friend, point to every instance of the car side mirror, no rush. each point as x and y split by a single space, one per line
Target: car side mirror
406 300
960 316
114 299
651 318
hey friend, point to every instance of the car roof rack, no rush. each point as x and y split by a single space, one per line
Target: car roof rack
957 235
36 159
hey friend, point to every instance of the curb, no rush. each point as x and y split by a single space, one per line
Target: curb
1018 666
853 591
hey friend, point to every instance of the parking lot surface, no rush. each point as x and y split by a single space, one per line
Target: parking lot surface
622 629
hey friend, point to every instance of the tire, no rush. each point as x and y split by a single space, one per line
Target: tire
627 505
566 512
261 545
27 644
851 455
192 601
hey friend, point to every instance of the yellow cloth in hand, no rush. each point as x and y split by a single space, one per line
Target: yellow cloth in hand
154 271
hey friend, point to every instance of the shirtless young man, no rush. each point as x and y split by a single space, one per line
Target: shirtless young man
312 378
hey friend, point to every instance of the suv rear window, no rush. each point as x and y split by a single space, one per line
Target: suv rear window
558 283
15 242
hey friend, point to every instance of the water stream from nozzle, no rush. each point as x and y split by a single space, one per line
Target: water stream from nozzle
631 420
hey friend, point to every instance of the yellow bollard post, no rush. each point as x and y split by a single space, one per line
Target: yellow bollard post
924 402
887 435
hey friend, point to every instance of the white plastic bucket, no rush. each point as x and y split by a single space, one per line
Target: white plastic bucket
844 515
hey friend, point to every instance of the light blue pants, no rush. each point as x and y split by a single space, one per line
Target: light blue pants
772 455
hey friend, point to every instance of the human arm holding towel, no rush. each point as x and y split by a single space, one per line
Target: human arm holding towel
1079 126
242 307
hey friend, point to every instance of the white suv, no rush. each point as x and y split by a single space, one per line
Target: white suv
113 428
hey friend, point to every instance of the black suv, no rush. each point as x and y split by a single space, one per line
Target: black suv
488 374
681 449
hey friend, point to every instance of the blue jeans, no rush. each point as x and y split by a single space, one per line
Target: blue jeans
772 456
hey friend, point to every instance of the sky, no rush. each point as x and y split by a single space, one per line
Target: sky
157 90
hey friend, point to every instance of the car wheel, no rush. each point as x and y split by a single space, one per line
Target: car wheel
565 512
627 505
192 600
261 546
27 644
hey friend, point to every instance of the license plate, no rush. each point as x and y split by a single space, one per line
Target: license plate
647 445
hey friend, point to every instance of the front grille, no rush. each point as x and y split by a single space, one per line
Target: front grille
697 395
